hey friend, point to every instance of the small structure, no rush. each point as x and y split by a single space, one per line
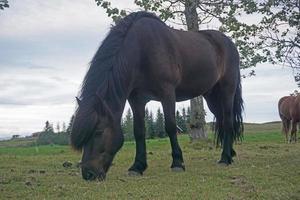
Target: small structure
179 130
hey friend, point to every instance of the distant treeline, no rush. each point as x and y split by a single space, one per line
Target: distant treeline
61 135
154 127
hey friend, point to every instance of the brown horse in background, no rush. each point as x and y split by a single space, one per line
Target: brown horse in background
289 112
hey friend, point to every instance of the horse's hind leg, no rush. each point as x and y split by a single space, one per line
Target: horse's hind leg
228 152
168 103
138 109
222 108
293 131
285 128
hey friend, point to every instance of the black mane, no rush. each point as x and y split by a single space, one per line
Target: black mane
107 65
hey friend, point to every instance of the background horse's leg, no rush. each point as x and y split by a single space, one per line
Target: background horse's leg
286 128
168 103
294 130
138 109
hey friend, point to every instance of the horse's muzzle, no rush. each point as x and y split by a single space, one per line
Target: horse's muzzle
91 175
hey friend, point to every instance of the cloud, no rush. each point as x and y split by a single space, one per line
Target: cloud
42 17
32 86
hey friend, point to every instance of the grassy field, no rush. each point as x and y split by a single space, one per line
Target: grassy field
265 168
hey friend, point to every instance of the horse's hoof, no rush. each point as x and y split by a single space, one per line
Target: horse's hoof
177 169
222 163
134 173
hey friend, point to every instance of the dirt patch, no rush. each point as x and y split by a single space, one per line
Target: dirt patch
268 147
243 183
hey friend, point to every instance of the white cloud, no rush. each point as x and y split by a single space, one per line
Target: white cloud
29 17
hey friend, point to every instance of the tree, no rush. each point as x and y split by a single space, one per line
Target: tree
48 127
15 137
57 127
70 125
278 31
197 124
3 4
151 126
184 118
159 124
128 125
64 128
149 123
188 115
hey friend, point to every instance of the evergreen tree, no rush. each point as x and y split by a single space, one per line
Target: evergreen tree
64 128
188 116
147 118
159 124
48 127
49 137
128 126
70 125
57 127
151 126
184 118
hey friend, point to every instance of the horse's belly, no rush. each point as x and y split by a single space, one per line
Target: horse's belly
194 87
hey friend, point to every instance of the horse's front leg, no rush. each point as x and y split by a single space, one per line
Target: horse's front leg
168 103
140 162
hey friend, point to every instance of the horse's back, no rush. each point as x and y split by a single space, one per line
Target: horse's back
192 61
285 107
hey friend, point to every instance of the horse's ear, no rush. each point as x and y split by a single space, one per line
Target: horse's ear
78 101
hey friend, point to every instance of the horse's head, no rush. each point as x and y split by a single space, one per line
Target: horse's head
95 132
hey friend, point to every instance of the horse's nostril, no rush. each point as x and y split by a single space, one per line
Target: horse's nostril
89 175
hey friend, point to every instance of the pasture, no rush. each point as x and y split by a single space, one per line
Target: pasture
265 168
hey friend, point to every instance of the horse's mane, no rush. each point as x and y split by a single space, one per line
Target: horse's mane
104 78
107 65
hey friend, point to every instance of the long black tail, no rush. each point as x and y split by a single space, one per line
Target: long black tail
238 108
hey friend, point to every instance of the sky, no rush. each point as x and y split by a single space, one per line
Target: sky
45 50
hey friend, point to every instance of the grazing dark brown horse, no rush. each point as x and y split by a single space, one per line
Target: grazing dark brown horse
142 59
289 112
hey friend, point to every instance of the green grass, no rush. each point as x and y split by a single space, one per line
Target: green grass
265 168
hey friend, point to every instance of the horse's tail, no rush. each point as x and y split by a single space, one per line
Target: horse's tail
238 108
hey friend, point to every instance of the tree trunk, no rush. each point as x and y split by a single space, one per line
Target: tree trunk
197 123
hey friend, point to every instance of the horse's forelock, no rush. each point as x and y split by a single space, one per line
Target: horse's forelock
85 121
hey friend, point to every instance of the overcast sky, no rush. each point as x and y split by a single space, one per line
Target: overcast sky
45 48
